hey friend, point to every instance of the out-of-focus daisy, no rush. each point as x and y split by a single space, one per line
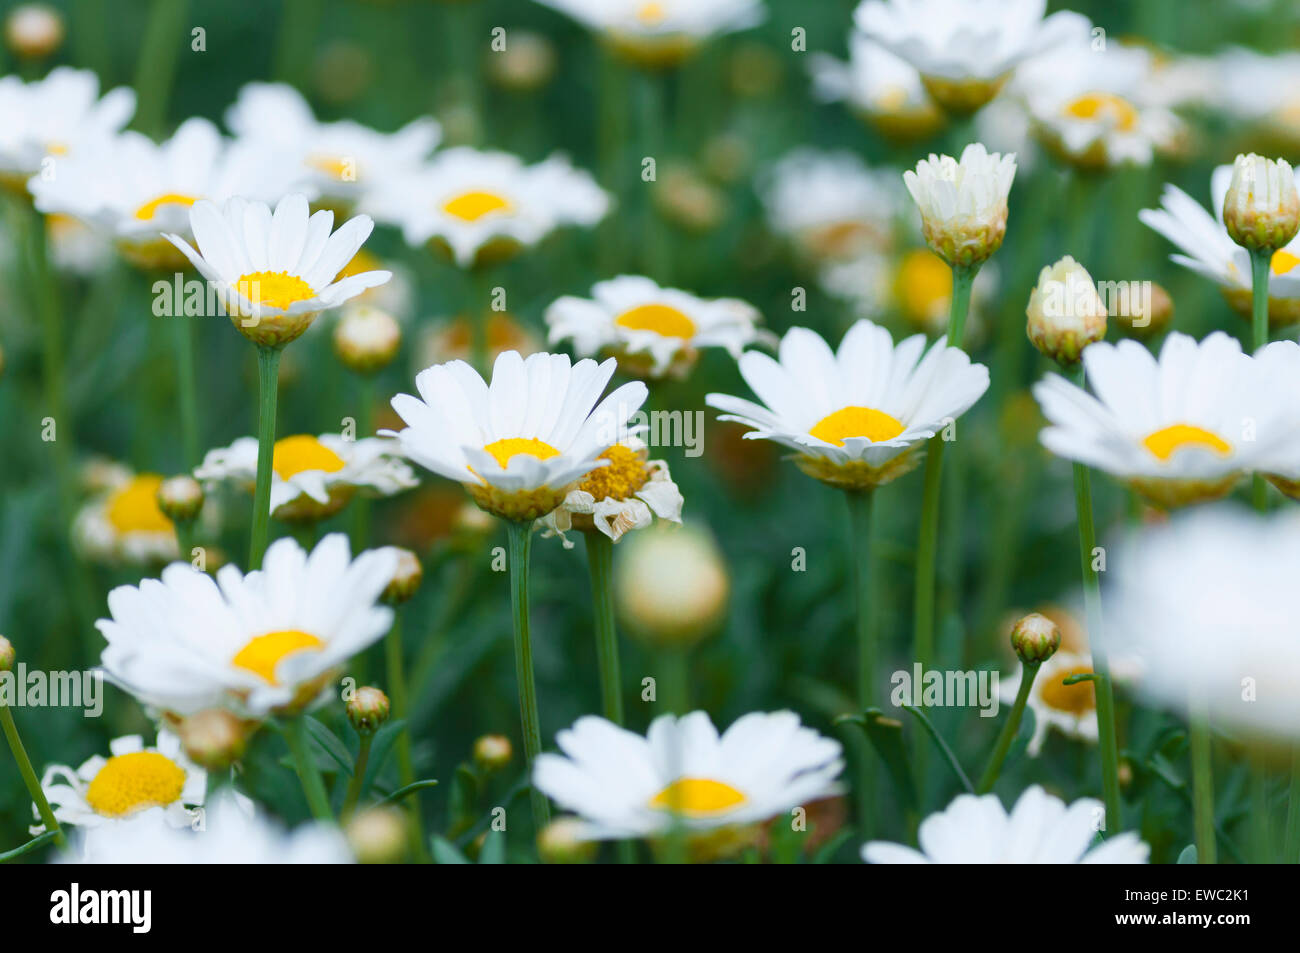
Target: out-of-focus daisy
1262 89
830 204
452 339
122 522
627 494
1210 251
1207 604
1179 429
624 785
1070 709
338 160
856 417
135 190
518 443
313 477
1041 829
231 833
483 206
660 33
132 779
77 247
965 49
1279 460
963 203
884 90
267 641
52 118
653 330
275 272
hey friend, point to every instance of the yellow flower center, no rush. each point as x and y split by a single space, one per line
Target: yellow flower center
1104 107
276 289
1166 442
662 320
875 425
625 475
344 170
698 796
507 449
295 454
471 206
149 209
651 13
923 284
133 782
133 507
1077 699
264 653
56 149
1283 261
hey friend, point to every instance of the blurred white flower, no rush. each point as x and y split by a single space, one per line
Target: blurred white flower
122 523
660 33
1070 709
883 89
52 118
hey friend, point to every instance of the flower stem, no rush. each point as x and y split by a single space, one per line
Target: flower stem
358 777
1028 672
365 428
187 396
1202 788
313 787
1259 266
520 539
397 695
268 385
600 559
867 637
29 775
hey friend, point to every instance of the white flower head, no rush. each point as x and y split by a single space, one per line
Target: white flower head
312 478
624 785
122 523
855 417
483 206
882 88
1070 709
134 778
655 330
1041 829
53 118
963 203
275 272
267 641
518 443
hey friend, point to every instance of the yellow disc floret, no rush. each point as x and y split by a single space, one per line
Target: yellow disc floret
508 448
620 480
853 421
1104 107
261 655
697 796
133 782
303 452
275 289
149 209
1164 443
660 318
471 206
133 507
1077 699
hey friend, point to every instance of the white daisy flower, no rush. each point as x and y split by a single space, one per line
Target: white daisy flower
1207 604
624 785
482 206
122 523
1041 829
627 494
856 417
1210 251
831 204
133 189
312 478
653 330
1070 709
1179 429
1260 88
883 89
963 204
518 443
275 273
660 32
263 642
53 118
338 160
230 833
965 49
134 778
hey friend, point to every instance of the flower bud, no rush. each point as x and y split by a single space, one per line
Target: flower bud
671 585
492 752
526 63
366 339
7 654
367 710
560 843
34 30
1035 638
963 204
213 738
1143 318
378 835
180 498
1262 208
1065 312
406 578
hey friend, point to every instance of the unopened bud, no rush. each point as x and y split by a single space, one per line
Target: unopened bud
963 203
367 710
671 586
378 835
213 738
493 752
366 339
180 498
1145 318
34 30
560 843
1262 208
1035 638
406 578
1065 312
7 654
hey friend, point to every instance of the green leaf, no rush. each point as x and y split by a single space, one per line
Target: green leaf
380 748
36 842
329 743
828 850
1188 855
408 789
943 747
493 850
886 736
444 852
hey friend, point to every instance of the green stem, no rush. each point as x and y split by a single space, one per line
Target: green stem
29 775
1202 789
867 636
1259 265
520 539
295 733
164 35
1028 672
185 539
358 776
1261 847
655 249
365 428
268 385
183 327
600 559
399 699
1291 842
674 694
